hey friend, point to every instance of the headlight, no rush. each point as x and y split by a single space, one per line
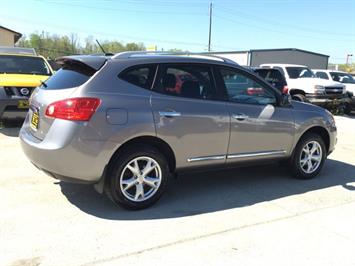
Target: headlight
319 89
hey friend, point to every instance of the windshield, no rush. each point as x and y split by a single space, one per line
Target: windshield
342 77
299 72
13 64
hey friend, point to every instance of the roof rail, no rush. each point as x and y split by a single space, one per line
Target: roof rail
126 55
17 50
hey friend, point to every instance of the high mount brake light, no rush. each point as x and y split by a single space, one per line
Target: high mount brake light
75 109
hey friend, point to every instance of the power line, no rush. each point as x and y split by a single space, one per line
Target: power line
116 36
210 28
291 26
275 31
112 9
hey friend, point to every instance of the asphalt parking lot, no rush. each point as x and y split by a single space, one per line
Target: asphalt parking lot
247 216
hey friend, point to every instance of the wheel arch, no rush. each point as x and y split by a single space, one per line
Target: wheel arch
321 131
155 142
297 91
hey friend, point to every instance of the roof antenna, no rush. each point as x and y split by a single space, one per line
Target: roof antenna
102 49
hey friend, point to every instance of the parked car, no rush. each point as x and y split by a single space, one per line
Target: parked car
110 121
344 78
53 64
21 71
274 77
305 87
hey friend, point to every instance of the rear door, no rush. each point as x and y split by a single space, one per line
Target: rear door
259 127
188 115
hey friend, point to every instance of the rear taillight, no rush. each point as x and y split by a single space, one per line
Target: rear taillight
253 91
78 109
285 89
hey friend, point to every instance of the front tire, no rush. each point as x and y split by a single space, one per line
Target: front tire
347 109
137 178
299 98
308 157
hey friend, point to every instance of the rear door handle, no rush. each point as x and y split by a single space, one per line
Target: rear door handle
169 113
240 117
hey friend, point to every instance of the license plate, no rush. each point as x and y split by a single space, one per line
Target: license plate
22 104
34 120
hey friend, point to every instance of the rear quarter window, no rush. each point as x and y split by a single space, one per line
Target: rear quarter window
68 77
141 76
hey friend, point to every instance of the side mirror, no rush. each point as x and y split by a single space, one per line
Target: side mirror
285 99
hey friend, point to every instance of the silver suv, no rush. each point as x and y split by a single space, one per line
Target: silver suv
130 121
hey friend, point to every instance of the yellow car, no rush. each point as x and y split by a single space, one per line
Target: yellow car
21 71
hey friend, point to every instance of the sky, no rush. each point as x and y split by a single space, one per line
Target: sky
322 26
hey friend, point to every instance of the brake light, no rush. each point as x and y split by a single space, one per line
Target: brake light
253 91
77 109
285 89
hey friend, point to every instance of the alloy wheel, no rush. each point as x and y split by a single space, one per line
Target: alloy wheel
311 157
140 179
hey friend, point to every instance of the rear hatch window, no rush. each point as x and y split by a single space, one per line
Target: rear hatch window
69 76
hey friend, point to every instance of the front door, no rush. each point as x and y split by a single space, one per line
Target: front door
188 116
260 128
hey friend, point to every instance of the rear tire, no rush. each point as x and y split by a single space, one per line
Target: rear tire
131 184
347 109
309 156
299 97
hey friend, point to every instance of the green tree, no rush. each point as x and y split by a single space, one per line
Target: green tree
53 46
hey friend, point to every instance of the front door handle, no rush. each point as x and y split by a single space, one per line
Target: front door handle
169 113
240 117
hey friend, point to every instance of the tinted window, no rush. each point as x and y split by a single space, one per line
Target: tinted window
13 64
342 77
299 72
140 76
243 89
273 76
191 81
281 70
68 77
322 75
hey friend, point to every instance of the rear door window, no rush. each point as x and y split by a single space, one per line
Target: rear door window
141 76
188 81
322 75
69 76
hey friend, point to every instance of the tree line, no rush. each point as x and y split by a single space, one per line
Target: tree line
53 45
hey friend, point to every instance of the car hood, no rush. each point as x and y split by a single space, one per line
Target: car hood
350 87
316 81
302 106
17 80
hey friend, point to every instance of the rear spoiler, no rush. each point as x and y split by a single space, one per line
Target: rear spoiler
94 62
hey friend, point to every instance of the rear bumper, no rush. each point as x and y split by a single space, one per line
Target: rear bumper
9 109
68 158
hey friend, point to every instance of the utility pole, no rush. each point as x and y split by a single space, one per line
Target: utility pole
209 34
347 58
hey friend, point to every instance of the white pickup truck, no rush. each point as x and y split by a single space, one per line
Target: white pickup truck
304 86
342 77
